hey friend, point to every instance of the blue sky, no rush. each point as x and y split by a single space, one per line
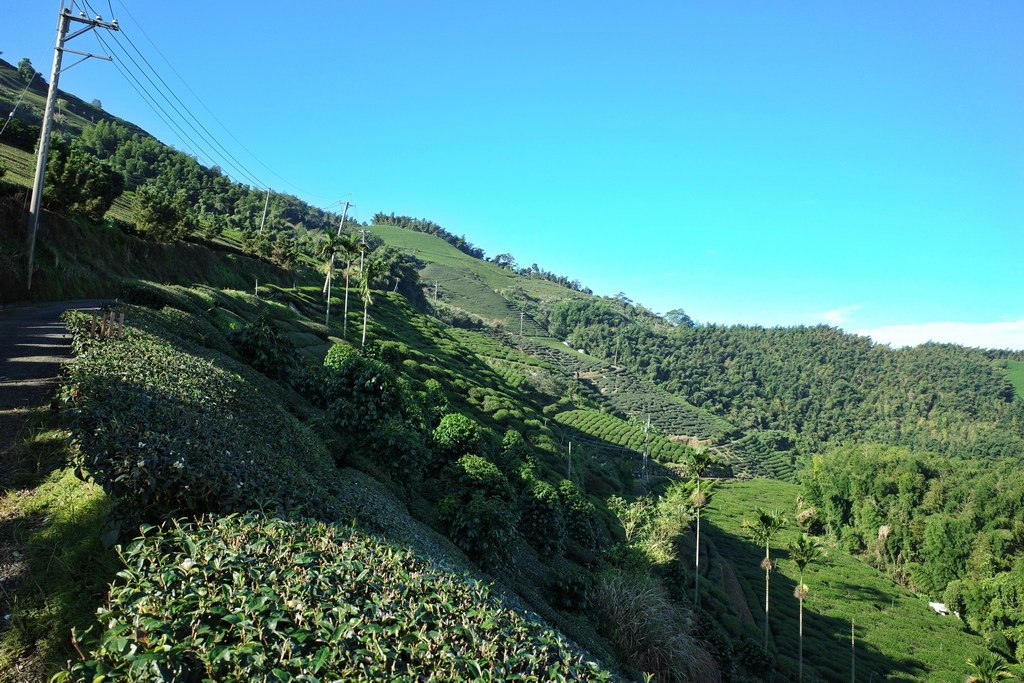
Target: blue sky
859 164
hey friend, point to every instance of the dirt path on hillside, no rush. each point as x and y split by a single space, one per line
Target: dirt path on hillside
33 345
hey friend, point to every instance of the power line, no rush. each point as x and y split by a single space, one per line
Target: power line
200 140
209 111
18 103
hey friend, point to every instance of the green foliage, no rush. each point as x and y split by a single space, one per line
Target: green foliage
362 391
160 214
456 435
296 600
167 432
542 520
78 182
26 72
264 347
478 508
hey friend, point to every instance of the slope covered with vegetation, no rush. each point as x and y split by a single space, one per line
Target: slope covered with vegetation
266 449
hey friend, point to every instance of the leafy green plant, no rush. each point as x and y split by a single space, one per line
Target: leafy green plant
283 599
456 435
168 432
265 347
542 521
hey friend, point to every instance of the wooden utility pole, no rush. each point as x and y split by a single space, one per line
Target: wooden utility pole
63 25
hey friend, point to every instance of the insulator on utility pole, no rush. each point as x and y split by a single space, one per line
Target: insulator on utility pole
63 24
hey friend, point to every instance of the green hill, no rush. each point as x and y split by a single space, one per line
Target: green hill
289 502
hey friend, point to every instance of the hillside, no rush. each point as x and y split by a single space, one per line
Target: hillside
465 495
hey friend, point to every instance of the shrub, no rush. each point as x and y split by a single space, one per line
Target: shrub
167 432
297 600
542 522
482 527
265 347
473 474
568 586
399 448
363 391
581 523
477 509
456 435
338 354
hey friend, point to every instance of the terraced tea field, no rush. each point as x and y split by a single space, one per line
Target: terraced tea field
619 432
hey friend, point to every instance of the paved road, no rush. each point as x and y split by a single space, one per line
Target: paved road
33 344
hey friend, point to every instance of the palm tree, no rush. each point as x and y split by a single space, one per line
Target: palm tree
699 462
348 248
765 526
370 272
803 551
988 668
328 249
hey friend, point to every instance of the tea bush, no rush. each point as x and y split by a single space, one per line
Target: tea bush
265 347
478 509
258 598
167 432
542 521
456 435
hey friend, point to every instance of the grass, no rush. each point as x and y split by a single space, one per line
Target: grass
20 165
51 526
76 259
899 638
1015 375
471 284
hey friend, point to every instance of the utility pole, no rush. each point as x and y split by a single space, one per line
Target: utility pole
265 205
63 24
521 314
647 429
569 477
435 291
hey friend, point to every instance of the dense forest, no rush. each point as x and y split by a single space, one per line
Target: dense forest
817 385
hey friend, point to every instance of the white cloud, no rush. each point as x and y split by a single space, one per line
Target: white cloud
838 316
1002 335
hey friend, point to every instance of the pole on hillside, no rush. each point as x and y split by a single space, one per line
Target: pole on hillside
435 291
265 205
330 276
647 429
853 653
63 24
569 477
521 315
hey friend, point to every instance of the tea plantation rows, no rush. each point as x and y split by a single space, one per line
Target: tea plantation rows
621 433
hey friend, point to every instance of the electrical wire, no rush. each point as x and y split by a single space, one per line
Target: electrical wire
208 111
18 103
201 139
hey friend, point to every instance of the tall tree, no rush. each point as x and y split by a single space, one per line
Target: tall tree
371 272
328 250
26 72
766 524
348 248
803 551
700 460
